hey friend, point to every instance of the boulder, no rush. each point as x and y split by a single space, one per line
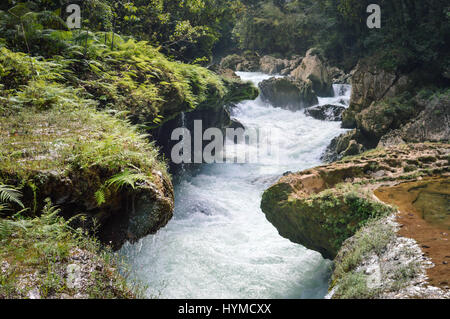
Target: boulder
271 65
350 143
231 61
229 74
248 62
313 69
291 65
371 84
288 93
326 112
432 124
374 121
338 76
321 207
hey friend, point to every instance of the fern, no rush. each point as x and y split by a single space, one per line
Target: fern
11 195
126 178
100 196
129 177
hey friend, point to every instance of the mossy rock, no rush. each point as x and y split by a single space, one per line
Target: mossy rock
288 93
320 222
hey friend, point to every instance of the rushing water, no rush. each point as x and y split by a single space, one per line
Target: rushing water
219 243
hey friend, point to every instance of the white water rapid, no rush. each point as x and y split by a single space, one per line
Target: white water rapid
219 243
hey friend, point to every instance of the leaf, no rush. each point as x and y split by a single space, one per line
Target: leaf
10 194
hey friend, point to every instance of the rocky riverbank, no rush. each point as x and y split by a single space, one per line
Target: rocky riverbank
74 142
333 209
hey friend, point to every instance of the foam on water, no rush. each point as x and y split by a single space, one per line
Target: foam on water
219 243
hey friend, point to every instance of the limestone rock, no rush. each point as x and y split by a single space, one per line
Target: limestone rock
326 112
338 76
313 69
371 84
432 124
350 143
271 65
288 93
315 209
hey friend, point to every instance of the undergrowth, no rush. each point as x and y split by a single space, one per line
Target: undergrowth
37 254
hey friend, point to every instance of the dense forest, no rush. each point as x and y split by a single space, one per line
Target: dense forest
412 32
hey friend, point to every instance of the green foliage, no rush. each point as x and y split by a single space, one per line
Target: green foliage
133 178
185 29
354 286
373 238
354 210
9 194
412 34
38 252
126 178
51 126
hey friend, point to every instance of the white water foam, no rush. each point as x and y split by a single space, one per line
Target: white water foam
219 243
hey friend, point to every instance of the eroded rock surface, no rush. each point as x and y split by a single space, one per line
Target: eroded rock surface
313 70
371 84
327 112
324 207
288 93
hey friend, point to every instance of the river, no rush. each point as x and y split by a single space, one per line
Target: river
219 243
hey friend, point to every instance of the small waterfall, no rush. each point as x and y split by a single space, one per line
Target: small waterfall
342 93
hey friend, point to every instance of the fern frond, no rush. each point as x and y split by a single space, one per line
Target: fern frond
100 197
10 194
126 178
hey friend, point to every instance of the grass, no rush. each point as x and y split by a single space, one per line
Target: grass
349 282
36 253
370 239
357 204
56 141
354 286
62 139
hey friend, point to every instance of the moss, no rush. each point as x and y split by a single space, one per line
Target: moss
373 153
36 254
354 286
373 238
322 221
55 142
409 168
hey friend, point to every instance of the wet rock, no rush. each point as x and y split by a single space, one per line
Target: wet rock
326 112
350 143
288 93
236 124
313 70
